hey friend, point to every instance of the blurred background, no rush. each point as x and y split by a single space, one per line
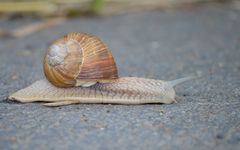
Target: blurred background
159 39
54 12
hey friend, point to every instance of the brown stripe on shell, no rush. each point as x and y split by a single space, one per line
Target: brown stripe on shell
57 78
98 62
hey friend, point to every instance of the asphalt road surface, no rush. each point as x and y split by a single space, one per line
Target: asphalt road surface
162 45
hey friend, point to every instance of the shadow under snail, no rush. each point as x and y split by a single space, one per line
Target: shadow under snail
80 68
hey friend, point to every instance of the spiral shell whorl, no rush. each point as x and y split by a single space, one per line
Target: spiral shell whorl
79 58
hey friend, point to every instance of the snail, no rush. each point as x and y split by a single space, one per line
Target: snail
80 68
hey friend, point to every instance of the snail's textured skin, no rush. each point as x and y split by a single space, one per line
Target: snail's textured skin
79 59
127 90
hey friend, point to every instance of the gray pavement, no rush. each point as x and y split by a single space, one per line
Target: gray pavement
162 45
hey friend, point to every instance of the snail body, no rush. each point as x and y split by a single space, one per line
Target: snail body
125 90
79 68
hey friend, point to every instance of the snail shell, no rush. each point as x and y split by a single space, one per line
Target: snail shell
79 59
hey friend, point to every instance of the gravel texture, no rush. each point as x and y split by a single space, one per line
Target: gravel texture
162 45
